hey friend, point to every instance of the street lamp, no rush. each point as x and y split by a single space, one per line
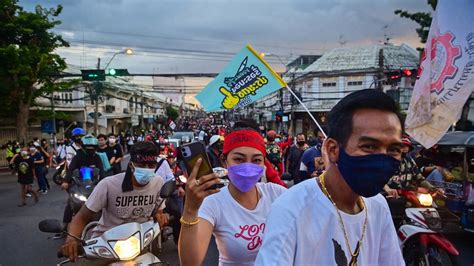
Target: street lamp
97 84
127 51
262 55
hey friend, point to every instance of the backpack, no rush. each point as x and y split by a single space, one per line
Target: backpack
274 154
105 161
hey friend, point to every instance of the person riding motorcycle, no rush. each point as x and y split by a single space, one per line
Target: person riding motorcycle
132 196
88 157
409 176
71 150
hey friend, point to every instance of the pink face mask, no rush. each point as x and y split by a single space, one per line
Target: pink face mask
244 176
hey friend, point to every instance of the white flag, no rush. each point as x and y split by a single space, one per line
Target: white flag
447 73
172 125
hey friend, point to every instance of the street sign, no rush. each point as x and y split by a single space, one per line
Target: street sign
93 74
47 126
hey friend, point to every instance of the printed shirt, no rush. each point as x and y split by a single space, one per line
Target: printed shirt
120 207
238 231
409 175
303 228
24 167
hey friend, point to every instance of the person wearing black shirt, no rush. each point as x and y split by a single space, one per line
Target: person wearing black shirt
24 164
87 157
104 148
294 154
118 154
214 150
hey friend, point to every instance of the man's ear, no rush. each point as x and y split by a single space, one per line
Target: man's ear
330 151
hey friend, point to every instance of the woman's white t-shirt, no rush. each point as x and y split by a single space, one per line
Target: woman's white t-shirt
239 231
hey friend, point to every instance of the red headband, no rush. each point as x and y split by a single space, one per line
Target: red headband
244 138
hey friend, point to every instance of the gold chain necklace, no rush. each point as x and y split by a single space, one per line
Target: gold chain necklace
354 254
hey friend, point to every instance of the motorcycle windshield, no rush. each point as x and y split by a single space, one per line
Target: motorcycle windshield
86 174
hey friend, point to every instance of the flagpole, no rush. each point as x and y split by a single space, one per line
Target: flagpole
306 109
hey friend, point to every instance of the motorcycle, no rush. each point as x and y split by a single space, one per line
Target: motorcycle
60 173
420 235
84 181
127 244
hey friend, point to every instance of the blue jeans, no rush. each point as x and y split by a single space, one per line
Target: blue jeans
40 175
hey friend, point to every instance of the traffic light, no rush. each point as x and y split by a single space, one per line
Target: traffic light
394 77
278 118
406 72
113 72
93 74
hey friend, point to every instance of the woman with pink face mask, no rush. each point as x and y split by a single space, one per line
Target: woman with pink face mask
235 214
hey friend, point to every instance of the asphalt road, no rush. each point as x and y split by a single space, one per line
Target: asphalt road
23 244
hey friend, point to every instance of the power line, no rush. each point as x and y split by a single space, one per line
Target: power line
180 39
214 55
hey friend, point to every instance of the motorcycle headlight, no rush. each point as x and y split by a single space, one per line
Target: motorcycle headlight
129 248
148 238
425 200
80 197
103 252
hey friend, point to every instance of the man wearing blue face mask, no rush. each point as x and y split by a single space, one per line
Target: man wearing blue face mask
126 197
340 218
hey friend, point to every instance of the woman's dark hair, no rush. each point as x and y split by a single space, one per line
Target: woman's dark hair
246 124
339 120
103 136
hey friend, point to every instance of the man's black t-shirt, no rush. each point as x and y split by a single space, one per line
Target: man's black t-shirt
294 156
108 150
117 150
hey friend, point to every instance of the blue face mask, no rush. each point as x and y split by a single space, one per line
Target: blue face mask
143 175
367 175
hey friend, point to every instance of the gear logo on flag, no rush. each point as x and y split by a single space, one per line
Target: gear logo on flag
443 55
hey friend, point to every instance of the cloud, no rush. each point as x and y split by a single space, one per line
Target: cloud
287 28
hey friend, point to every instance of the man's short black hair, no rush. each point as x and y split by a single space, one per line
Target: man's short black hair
339 120
301 134
144 148
103 136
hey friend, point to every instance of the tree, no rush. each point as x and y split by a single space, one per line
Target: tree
29 67
171 112
422 18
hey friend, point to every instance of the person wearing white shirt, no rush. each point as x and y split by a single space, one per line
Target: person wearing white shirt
236 214
164 170
340 218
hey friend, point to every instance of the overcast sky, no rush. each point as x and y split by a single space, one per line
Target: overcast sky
200 36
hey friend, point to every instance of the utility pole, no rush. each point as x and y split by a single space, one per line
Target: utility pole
293 100
96 101
54 121
142 120
380 72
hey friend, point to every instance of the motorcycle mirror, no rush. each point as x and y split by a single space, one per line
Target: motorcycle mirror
168 189
50 226
95 171
286 176
76 173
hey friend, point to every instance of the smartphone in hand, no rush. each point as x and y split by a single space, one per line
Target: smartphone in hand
190 153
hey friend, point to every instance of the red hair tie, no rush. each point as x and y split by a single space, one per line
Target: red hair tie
244 138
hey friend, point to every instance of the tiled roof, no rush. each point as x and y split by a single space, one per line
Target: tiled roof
365 58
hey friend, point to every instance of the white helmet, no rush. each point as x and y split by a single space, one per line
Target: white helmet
214 139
